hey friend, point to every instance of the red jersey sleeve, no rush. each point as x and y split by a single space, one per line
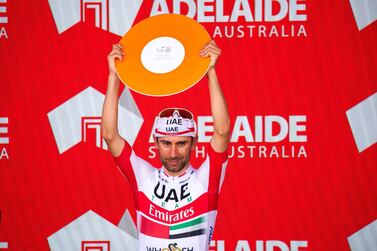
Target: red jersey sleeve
123 161
217 167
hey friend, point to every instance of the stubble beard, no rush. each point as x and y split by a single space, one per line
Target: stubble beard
175 169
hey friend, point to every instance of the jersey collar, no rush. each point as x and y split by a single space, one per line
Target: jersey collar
183 176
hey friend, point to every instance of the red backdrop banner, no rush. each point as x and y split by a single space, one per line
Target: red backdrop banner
301 85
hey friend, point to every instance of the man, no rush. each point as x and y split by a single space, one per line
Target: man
176 204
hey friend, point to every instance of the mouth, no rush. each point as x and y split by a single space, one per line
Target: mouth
173 162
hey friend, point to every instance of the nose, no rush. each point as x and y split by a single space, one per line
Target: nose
173 151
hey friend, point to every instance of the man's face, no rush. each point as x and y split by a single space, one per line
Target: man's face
174 151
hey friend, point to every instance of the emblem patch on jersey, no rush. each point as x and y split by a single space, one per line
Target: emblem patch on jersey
193 227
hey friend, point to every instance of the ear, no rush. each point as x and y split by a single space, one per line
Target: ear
155 142
193 143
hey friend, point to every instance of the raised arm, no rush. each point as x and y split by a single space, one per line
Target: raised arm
220 138
109 125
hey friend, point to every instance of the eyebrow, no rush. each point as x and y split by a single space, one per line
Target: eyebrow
167 141
182 141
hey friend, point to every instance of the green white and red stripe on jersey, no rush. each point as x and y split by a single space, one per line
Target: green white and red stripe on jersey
180 209
189 228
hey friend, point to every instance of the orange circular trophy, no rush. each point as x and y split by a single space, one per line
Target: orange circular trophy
162 55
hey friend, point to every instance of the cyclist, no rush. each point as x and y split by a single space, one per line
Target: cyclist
176 204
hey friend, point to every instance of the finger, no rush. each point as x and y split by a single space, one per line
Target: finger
116 55
209 47
214 47
215 50
118 50
203 51
206 44
205 54
212 42
210 51
118 46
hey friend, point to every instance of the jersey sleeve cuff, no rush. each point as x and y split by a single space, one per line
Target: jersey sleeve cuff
221 156
124 155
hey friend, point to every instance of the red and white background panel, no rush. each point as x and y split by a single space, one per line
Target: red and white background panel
301 85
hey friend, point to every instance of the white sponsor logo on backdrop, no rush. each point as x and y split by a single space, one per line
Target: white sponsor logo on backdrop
79 117
365 12
260 17
111 15
92 123
4 138
270 136
93 232
363 122
3 19
3 245
364 239
95 245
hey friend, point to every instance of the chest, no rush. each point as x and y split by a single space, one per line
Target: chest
172 195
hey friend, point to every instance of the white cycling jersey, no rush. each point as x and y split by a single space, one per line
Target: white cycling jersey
174 213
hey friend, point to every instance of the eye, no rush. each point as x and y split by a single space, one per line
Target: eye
165 143
181 144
